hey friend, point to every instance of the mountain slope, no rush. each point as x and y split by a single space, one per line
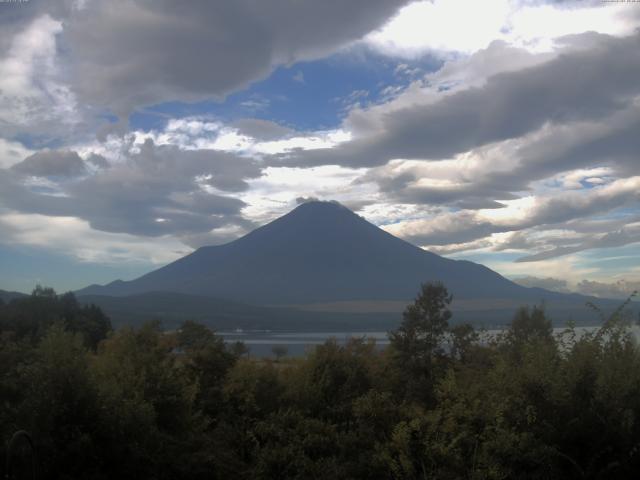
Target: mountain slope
318 253
6 296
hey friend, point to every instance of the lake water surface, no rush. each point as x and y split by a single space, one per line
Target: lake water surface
260 344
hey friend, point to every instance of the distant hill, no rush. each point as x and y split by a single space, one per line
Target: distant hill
173 308
6 296
323 254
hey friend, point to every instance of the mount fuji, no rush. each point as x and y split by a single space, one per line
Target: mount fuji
323 257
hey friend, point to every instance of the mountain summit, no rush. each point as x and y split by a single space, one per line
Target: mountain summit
319 252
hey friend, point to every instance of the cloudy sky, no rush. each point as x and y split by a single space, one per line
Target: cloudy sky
503 132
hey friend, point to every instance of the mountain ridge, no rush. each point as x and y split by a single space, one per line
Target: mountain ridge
343 256
323 253
6 296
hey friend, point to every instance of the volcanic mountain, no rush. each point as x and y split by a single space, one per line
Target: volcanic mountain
321 253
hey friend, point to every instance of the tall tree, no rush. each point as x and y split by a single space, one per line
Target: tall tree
418 341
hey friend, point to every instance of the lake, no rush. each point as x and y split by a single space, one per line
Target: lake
261 343
297 344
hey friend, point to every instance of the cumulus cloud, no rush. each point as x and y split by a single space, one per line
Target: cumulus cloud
524 144
34 97
203 49
156 190
66 62
550 211
15 16
576 155
48 163
443 229
625 236
249 137
474 70
444 26
563 207
75 238
509 105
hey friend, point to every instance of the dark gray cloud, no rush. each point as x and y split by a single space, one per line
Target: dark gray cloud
262 130
520 240
619 238
136 52
559 211
578 85
48 163
15 16
468 195
544 116
561 131
160 190
98 161
448 228
613 143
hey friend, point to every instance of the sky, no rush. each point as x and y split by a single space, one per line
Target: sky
502 132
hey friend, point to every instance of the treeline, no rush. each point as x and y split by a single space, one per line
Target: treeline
440 402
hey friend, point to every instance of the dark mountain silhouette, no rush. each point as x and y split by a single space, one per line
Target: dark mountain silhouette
174 308
322 252
6 296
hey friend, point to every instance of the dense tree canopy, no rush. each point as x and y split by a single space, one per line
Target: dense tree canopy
441 401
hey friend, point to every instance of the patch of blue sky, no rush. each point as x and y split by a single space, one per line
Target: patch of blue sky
612 260
305 96
631 211
38 141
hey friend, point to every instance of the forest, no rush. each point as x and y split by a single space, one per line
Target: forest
442 401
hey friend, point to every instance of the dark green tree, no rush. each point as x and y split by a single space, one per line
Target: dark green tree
30 318
417 344
530 325
206 361
463 339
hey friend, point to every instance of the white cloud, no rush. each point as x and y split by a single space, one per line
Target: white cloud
447 26
74 237
593 176
476 158
275 193
194 133
462 228
32 93
571 268
314 141
126 196
12 153
536 26
441 25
